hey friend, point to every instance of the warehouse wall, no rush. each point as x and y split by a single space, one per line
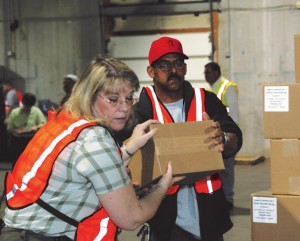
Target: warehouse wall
255 45
54 38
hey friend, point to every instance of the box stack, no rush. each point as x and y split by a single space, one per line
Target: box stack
276 213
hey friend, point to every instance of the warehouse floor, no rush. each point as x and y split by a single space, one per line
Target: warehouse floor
248 179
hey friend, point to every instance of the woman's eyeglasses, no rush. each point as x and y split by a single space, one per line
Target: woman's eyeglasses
114 101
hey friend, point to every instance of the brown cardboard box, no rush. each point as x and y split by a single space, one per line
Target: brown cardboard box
275 217
188 145
297 57
281 110
285 166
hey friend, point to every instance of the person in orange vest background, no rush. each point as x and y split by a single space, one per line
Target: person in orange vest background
227 92
70 183
13 97
197 210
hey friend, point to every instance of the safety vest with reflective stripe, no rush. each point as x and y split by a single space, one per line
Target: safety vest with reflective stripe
197 107
29 178
220 91
20 97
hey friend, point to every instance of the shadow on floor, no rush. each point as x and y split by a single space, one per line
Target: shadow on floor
238 211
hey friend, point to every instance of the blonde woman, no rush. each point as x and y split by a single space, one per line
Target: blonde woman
71 183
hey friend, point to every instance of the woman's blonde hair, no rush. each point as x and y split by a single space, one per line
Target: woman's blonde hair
103 73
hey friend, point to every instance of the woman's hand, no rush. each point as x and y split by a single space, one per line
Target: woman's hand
140 136
127 211
167 180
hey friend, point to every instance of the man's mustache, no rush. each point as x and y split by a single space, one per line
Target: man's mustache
173 76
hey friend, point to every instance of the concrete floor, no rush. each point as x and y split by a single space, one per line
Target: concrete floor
248 179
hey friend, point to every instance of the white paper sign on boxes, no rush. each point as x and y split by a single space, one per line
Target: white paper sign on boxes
275 217
281 110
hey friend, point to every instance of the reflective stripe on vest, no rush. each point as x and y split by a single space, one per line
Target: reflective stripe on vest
161 114
221 91
25 184
222 88
20 97
197 106
195 111
208 185
97 227
30 175
158 108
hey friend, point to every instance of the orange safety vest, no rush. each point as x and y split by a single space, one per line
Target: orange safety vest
20 97
197 107
30 175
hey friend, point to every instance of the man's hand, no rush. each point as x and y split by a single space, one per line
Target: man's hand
217 135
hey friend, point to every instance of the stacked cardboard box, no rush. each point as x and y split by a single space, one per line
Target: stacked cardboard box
297 57
276 213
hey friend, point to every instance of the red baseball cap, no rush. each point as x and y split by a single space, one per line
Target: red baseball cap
162 46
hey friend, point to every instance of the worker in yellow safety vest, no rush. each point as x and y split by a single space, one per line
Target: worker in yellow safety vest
227 92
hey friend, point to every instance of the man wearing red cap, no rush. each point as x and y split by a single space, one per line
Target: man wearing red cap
196 210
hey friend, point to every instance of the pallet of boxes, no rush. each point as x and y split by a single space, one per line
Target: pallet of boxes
276 214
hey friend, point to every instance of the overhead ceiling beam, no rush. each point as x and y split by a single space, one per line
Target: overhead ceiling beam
160 8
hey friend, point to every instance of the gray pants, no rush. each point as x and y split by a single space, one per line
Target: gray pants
227 177
13 234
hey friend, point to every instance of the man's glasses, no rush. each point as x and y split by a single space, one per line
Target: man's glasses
114 101
167 66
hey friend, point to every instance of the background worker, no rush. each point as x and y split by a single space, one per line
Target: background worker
13 97
227 92
3 133
196 211
22 123
27 118
72 172
68 83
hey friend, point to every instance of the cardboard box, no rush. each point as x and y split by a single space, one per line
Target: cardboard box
281 111
297 57
285 166
188 145
275 217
